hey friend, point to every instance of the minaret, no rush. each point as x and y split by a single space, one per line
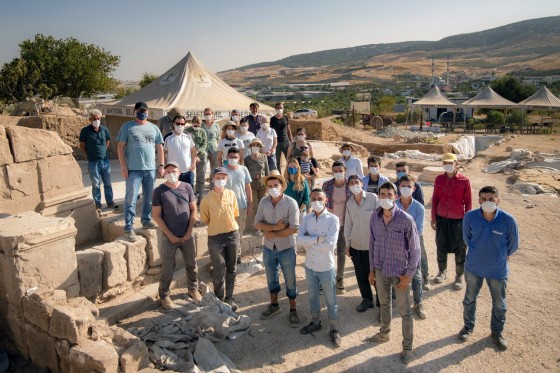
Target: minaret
433 72
447 80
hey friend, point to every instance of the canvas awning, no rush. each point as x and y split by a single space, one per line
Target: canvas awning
541 99
434 98
489 99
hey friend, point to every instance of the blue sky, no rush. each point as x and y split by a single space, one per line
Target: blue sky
153 35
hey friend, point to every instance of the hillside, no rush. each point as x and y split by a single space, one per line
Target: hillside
531 44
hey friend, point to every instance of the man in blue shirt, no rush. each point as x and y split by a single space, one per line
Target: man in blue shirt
492 237
137 142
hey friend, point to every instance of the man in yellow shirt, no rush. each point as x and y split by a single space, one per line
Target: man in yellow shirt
218 210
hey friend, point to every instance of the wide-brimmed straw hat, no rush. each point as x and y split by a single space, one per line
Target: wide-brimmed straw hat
275 174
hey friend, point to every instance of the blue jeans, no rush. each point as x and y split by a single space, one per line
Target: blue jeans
187 177
417 285
423 258
286 259
100 171
499 306
133 182
271 162
328 282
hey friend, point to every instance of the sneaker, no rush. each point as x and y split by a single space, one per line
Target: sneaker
340 286
365 305
419 309
441 276
148 225
293 318
378 338
232 303
458 282
270 311
465 334
335 337
426 283
112 205
167 303
500 341
310 328
195 295
131 235
406 356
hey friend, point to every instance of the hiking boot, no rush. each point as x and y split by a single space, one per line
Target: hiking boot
441 276
293 318
131 235
465 334
148 225
340 286
310 328
270 311
195 295
500 341
406 356
167 303
335 337
365 305
112 205
426 283
232 303
378 338
458 282
419 309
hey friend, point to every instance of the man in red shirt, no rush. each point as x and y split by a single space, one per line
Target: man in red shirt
451 200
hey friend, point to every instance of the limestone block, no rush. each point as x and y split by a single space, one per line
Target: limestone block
23 179
42 349
200 235
122 337
90 272
62 348
19 204
84 305
5 192
59 172
115 271
91 356
71 324
135 256
115 228
154 238
135 358
29 143
14 328
5 154
105 222
37 310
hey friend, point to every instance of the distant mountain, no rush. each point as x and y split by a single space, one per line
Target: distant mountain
526 45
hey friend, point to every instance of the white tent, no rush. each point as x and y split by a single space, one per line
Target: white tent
541 99
434 98
489 99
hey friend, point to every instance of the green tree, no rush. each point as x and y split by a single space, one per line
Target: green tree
511 88
147 78
495 117
384 104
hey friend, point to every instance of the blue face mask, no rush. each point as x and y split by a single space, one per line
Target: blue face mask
400 174
141 115
292 170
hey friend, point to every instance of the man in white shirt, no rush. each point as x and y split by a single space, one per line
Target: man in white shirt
179 147
353 164
318 233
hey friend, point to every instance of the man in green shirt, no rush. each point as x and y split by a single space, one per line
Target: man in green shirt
201 142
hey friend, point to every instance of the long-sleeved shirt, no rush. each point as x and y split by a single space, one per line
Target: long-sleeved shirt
219 212
212 136
356 222
318 236
286 211
417 194
353 166
301 197
254 122
489 243
394 248
200 140
328 188
452 196
417 211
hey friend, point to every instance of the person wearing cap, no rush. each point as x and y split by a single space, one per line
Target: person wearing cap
229 141
244 134
278 218
280 124
267 136
356 235
451 199
353 165
179 147
308 165
257 164
165 123
402 168
137 143
338 192
293 150
318 235
201 143
492 237
94 142
219 210
255 118
174 207
394 255
373 179
213 133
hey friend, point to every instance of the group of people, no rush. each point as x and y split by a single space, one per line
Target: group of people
377 223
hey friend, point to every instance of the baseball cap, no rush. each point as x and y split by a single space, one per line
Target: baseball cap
171 163
219 170
141 105
449 157
353 177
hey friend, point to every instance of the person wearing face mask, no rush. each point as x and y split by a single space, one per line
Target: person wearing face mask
403 169
165 123
138 141
257 164
201 142
219 211
277 216
94 142
492 237
235 116
394 256
213 134
308 165
452 198
229 141
318 234
297 187
267 136
353 165
356 233
243 133
294 149
374 179
174 207
254 119
413 208
338 192
280 124
179 147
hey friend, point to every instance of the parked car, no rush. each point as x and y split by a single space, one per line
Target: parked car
302 113
447 116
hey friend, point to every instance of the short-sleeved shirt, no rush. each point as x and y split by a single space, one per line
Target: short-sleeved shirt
175 212
96 142
254 122
236 182
226 144
178 148
281 128
219 212
306 166
286 211
212 136
246 138
267 138
258 168
140 140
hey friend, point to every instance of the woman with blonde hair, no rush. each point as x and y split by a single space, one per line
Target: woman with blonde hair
297 187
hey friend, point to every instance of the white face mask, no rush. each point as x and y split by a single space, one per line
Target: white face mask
406 192
356 189
317 206
254 114
233 161
300 137
374 170
449 168
208 118
243 129
279 111
338 176
265 126
386 204
230 133
179 129
347 153
489 206
255 149
220 183
96 123
235 118
172 177
274 192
